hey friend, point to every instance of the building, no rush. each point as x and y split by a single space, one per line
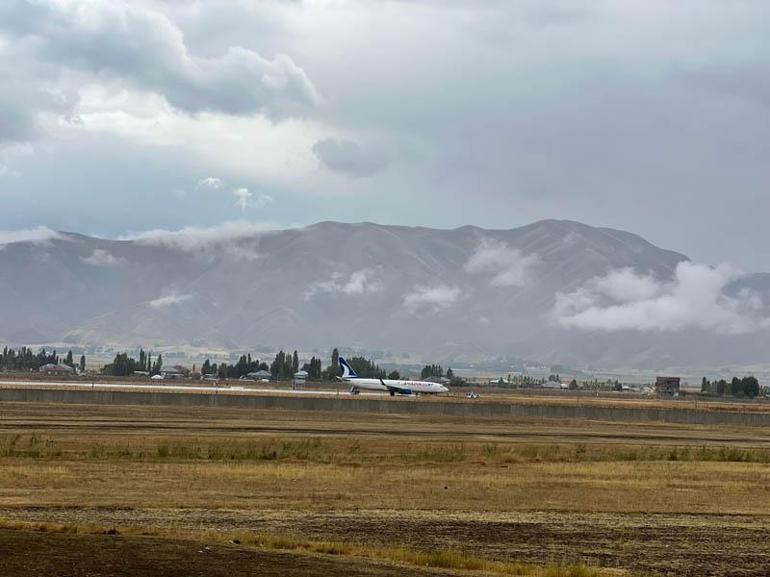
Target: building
300 377
553 385
667 385
175 372
259 376
52 369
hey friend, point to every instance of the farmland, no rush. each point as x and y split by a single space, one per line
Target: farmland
320 493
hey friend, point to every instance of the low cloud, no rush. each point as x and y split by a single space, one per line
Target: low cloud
431 298
237 240
38 234
210 182
194 238
102 258
508 266
694 298
358 283
349 157
169 300
247 199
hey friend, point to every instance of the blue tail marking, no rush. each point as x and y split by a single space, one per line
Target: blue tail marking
347 370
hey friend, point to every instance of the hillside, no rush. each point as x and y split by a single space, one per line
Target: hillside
444 294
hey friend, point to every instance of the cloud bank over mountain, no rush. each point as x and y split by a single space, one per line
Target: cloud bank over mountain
557 291
695 298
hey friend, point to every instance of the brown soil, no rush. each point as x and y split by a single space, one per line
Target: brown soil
676 545
36 554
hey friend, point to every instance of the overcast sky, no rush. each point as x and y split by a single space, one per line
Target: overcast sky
651 116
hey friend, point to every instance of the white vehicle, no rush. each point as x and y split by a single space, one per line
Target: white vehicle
388 385
472 395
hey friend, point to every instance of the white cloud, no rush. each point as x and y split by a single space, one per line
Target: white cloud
235 240
37 235
169 300
508 266
431 298
358 283
194 238
144 48
101 257
211 182
694 298
248 199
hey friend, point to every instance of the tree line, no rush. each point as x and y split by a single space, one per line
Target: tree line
245 365
436 371
744 387
283 366
123 365
25 360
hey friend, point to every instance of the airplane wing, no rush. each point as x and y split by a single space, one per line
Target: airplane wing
395 389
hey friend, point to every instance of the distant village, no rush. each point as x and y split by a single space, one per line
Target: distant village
287 367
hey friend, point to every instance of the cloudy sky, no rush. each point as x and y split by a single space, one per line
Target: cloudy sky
652 116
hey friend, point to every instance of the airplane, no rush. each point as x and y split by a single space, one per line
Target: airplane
390 385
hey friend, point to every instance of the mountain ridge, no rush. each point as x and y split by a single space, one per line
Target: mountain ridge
438 293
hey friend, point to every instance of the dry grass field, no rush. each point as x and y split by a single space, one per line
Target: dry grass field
290 493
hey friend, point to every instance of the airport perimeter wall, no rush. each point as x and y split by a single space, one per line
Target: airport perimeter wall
471 409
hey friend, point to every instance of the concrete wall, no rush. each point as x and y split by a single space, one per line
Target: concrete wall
471 409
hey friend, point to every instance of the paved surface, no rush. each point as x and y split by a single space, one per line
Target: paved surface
343 390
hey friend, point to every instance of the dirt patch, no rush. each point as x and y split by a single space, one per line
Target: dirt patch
675 545
36 554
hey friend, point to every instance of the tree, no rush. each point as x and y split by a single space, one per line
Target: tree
294 362
313 369
394 376
206 367
366 368
158 366
721 387
429 371
333 370
750 386
282 366
69 361
121 366
573 385
82 363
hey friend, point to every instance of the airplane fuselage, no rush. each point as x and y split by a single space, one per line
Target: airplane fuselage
403 387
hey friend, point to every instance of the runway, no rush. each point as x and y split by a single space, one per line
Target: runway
178 388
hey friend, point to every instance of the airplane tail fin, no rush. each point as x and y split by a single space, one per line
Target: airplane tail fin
347 370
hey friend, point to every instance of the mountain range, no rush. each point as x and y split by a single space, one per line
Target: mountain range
556 291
